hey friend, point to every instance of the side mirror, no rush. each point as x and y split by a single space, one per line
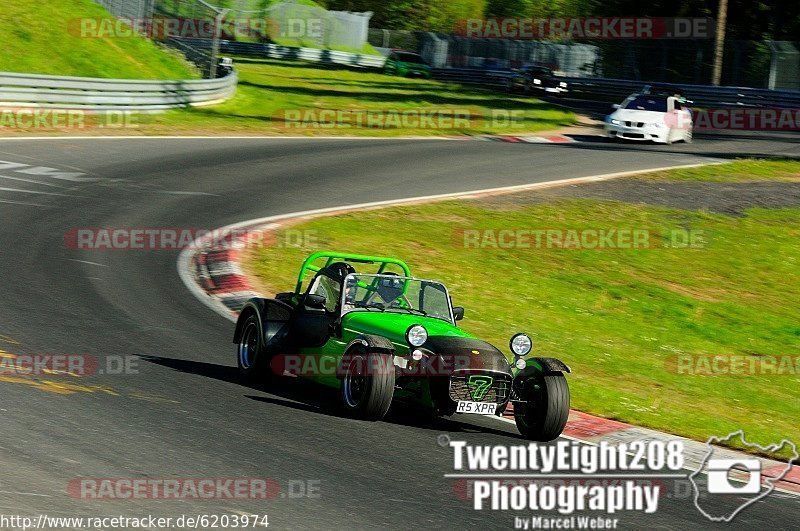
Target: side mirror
615 106
458 313
315 301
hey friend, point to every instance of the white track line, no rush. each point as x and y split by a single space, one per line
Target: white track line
184 259
32 181
20 203
86 262
30 191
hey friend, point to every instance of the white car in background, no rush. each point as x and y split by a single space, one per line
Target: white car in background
655 117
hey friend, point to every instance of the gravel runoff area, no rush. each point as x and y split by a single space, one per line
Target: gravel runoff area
723 198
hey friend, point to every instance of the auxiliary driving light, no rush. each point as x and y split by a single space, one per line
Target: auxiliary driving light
521 344
416 335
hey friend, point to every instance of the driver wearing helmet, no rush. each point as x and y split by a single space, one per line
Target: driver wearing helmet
340 270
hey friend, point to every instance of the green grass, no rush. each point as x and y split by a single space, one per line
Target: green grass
743 170
615 316
267 87
44 38
367 49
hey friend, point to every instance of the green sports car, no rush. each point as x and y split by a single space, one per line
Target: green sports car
383 337
406 64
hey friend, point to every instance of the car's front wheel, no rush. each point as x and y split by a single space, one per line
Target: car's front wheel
544 413
367 385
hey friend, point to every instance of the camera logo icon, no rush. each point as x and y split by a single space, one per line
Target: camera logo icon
740 479
719 476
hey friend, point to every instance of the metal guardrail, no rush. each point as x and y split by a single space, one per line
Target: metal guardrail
34 90
615 90
286 52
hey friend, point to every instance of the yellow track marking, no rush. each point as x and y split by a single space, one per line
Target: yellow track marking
10 341
59 388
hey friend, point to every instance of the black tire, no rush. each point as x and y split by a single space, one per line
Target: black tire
251 358
367 385
545 414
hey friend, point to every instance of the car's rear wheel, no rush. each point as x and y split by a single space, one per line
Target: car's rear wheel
544 414
368 385
252 360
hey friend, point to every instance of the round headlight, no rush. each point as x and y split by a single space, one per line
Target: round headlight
520 363
416 335
521 344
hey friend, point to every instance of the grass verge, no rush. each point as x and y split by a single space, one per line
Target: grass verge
742 170
44 38
619 317
268 88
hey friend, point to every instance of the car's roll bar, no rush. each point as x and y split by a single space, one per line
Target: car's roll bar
331 257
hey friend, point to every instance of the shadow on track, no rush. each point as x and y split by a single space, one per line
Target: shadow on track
305 395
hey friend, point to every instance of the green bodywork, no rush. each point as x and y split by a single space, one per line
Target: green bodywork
386 324
402 68
448 372
390 325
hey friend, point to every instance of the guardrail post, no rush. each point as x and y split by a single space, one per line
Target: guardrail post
215 45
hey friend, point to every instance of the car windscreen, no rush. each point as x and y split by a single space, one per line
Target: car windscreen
411 58
394 293
647 103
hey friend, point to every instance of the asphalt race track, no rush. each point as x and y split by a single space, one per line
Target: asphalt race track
184 414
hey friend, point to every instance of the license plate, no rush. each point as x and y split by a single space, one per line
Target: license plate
480 408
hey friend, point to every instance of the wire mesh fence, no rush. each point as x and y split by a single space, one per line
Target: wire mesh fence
295 23
745 63
289 22
784 70
131 9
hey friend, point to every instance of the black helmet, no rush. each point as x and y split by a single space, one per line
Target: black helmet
340 270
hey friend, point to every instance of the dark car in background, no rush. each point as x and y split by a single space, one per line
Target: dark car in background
536 79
